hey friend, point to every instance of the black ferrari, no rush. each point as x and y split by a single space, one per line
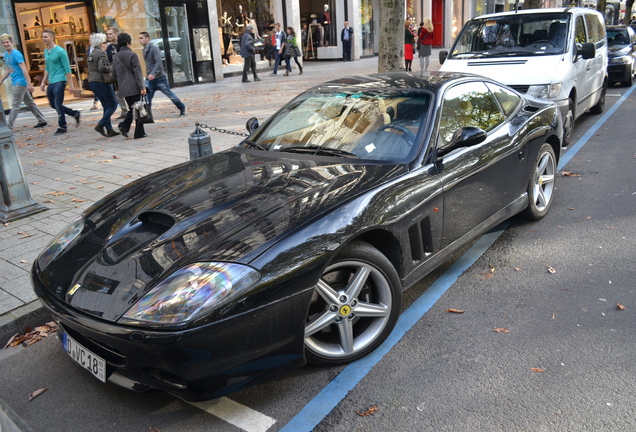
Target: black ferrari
295 245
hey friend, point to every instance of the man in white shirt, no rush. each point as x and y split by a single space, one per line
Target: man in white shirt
280 47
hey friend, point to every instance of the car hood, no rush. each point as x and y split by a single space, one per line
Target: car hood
617 50
225 207
533 70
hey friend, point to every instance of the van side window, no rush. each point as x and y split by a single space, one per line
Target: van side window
595 30
579 31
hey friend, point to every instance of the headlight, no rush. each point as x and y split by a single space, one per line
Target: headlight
621 60
191 293
545 91
60 242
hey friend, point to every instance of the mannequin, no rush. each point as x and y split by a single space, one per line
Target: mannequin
226 29
326 24
241 19
37 21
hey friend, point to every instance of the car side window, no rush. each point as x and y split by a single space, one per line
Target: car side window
508 100
595 30
579 30
469 104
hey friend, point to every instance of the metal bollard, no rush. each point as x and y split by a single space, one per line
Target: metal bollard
199 142
16 198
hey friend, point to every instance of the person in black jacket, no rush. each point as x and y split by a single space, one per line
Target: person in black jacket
346 36
111 50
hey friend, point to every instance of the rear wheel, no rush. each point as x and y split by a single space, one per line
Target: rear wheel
541 185
354 307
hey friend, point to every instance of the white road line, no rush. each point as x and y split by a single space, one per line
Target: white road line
234 413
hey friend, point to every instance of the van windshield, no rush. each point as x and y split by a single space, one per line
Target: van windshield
513 35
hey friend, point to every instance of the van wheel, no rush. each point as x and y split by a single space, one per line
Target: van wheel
600 105
568 124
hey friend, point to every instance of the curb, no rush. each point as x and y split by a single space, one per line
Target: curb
29 315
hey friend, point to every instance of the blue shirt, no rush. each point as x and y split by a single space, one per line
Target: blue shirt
13 60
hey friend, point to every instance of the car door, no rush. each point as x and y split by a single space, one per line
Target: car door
481 180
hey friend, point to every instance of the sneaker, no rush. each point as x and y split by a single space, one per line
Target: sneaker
77 119
40 125
272 74
94 107
183 111
60 131
99 128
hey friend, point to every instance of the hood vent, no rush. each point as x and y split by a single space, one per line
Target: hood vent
157 219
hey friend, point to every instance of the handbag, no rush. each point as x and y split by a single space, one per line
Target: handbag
71 25
143 112
109 77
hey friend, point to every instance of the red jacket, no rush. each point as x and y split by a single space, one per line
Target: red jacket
425 37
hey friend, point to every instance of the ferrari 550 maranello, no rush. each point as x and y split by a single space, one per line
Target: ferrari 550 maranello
295 245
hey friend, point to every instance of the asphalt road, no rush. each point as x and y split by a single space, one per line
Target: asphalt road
564 364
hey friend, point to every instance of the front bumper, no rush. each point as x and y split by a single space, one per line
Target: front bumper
619 72
195 364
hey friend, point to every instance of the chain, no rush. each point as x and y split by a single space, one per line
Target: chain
219 130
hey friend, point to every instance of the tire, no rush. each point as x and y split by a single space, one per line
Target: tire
568 124
541 184
630 81
354 308
600 105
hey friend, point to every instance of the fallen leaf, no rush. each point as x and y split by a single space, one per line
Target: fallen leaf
620 306
518 269
56 193
26 235
501 330
153 429
115 157
23 261
570 208
537 370
488 276
570 174
455 311
37 393
77 200
492 268
49 202
370 411
551 270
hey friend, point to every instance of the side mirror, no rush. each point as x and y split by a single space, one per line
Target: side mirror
587 50
463 137
442 56
252 125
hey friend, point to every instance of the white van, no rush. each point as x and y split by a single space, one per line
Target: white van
557 54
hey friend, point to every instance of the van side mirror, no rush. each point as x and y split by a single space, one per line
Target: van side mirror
587 50
442 56
463 137
252 125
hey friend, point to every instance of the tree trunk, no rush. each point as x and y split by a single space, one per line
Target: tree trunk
628 11
391 56
600 6
533 4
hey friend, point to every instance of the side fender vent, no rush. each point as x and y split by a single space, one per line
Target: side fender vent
157 219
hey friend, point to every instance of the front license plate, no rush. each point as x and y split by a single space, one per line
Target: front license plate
85 358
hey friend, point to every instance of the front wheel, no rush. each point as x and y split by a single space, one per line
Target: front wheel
541 185
354 307
600 105
568 124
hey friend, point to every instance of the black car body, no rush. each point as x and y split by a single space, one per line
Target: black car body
621 54
299 240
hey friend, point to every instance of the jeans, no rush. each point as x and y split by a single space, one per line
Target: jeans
125 125
277 59
21 94
346 50
161 84
55 94
106 96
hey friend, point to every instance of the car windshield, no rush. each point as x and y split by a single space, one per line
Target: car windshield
513 35
617 37
381 126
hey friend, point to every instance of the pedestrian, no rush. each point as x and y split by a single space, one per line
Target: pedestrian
346 37
279 37
424 42
247 52
156 78
409 40
130 81
292 50
98 65
57 71
22 87
111 51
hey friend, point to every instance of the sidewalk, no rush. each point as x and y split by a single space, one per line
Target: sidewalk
71 172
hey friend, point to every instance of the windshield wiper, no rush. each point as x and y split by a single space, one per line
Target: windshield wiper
314 149
252 144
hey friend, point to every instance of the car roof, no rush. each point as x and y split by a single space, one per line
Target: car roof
539 11
393 82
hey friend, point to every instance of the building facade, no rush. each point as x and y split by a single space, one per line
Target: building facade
199 39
